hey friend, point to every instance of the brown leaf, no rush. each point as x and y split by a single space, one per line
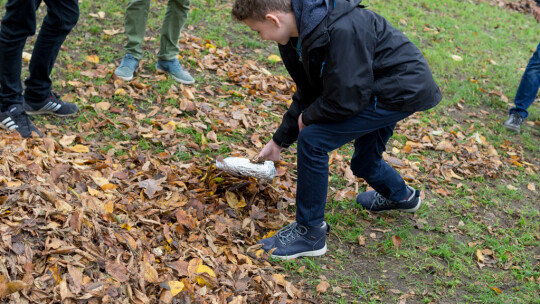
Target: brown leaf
117 271
323 286
396 240
150 187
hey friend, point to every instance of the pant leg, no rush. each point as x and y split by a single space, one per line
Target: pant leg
314 143
18 23
528 87
135 22
62 16
367 162
175 18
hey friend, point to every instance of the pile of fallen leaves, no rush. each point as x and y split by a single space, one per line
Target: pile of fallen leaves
79 225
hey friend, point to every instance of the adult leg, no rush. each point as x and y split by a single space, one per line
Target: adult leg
314 143
18 23
135 22
528 87
62 16
175 18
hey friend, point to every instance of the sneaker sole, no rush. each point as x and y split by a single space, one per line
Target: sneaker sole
512 129
125 78
314 253
50 113
174 77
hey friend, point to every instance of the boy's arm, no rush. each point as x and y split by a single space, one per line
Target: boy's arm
348 77
287 133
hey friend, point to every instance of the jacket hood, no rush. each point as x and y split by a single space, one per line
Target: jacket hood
308 14
335 10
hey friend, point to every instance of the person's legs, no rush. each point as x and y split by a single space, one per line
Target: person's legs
135 23
367 163
18 23
175 18
528 87
62 16
314 143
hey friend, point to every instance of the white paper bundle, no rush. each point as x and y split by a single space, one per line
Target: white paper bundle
239 166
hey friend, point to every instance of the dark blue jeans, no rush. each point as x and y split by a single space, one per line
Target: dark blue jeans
370 130
18 23
528 87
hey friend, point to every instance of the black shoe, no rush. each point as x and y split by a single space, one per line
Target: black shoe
375 202
52 105
16 119
514 122
295 240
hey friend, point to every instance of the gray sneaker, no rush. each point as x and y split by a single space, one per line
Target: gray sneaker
514 122
295 240
173 68
375 202
127 67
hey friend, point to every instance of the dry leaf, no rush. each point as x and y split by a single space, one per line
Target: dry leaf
323 286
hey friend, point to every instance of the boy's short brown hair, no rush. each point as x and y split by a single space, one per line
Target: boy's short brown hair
257 9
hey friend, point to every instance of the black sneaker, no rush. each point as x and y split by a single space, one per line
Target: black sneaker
295 240
375 202
52 105
514 122
16 119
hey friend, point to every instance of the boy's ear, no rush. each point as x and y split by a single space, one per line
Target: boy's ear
274 19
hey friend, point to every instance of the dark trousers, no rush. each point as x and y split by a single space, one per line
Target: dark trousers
370 130
528 87
18 23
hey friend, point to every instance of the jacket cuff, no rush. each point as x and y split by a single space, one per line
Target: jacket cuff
279 142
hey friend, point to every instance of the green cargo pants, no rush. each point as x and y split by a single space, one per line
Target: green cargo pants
136 20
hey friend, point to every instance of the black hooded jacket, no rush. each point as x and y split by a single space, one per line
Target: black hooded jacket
351 58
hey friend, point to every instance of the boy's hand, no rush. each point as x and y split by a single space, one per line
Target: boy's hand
270 151
536 13
301 124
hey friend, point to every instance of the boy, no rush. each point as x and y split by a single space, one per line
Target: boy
356 77
136 18
18 23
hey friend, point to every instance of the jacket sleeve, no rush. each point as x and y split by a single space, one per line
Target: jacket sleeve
347 76
537 2
287 132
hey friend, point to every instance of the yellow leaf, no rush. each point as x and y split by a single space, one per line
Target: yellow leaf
479 256
176 287
92 59
531 187
26 56
126 226
80 149
204 269
120 92
457 58
109 206
150 274
274 58
497 290
269 234
109 187
232 200
210 46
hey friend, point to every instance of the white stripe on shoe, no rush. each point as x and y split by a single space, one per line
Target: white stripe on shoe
9 124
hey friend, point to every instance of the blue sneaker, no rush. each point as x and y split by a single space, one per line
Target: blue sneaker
173 68
127 67
295 240
375 202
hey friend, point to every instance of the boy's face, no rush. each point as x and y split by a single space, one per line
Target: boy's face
276 27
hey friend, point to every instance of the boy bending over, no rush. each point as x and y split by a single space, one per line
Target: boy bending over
356 77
